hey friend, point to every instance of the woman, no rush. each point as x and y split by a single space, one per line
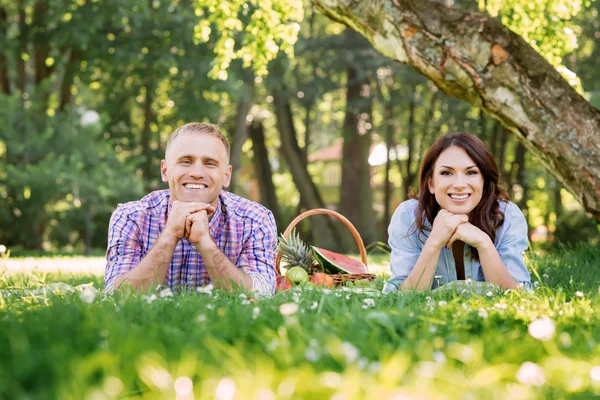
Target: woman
477 233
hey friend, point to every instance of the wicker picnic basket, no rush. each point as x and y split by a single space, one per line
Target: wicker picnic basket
338 279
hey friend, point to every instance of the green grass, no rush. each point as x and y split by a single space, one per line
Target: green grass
426 345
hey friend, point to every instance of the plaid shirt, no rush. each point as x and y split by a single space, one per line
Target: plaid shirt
244 230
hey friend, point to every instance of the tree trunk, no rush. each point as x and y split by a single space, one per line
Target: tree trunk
325 234
147 167
501 155
356 194
264 175
474 57
410 143
388 116
518 169
4 83
66 96
239 136
22 48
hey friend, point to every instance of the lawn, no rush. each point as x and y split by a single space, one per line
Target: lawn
304 343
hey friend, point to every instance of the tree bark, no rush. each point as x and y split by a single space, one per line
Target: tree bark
410 143
147 167
4 82
239 136
264 174
474 57
66 96
388 115
356 194
22 48
324 233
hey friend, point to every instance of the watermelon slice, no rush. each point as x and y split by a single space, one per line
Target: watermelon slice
335 263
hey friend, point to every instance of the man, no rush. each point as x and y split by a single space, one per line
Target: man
194 232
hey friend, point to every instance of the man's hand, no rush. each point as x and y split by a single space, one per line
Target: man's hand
197 230
469 234
444 226
177 219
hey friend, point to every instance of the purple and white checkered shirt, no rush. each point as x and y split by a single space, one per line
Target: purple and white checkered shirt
244 230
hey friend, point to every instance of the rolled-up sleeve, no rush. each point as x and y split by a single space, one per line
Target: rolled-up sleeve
258 254
513 243
124 250
405 245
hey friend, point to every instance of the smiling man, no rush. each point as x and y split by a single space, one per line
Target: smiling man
193 233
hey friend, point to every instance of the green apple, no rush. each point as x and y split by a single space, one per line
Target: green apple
297 275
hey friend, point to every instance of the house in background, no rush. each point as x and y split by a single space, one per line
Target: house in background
325 166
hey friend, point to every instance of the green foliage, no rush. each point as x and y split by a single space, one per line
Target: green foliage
268 26
306 343
549 27
575 226
58 175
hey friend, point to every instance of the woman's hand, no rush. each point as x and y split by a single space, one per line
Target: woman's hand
469 234
444 226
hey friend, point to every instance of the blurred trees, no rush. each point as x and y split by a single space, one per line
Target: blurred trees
91 91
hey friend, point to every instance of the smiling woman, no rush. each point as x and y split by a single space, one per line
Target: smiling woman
461 224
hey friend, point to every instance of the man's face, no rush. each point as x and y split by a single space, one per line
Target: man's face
456 182
196 167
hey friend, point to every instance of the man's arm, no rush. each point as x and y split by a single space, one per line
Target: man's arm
153 268
257 259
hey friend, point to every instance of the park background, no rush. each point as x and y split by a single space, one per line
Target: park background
91 91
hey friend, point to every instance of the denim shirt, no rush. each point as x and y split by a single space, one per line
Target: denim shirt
406 243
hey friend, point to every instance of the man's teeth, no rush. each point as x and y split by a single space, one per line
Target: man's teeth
194 186
459 196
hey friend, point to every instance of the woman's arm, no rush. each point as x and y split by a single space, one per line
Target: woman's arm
444 225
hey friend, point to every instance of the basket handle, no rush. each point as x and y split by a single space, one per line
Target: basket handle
331 213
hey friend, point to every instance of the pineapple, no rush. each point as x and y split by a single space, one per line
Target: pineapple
296 253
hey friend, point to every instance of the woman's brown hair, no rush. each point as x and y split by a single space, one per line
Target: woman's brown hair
487 215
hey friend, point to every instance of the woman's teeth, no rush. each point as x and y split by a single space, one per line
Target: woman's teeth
459 196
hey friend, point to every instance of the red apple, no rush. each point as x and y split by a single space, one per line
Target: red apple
283 283
321 279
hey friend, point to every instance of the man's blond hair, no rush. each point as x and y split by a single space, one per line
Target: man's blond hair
199 128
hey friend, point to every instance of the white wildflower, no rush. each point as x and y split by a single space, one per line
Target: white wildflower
442 303
312 354
246 302
545 276
326 291
255 312
579 293
369 302
348 296
288 309
314 305
351 353
595 373
201 318
150 299
531 374
88 294
489 294
183 386
2 249
166 293
208 289
439 357
542 329
482 313
243 296
210 306
225 389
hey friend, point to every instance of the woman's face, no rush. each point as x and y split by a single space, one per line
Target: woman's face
456 182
